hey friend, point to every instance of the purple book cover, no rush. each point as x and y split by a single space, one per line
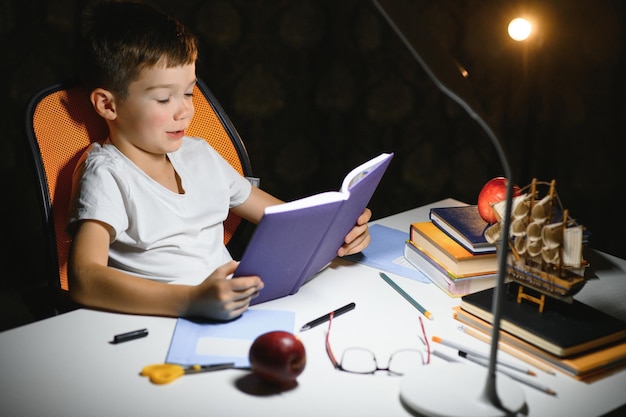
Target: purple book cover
282 245
296 240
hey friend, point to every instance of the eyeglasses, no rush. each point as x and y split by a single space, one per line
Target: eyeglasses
363 361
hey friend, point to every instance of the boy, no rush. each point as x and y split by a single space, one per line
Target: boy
149 202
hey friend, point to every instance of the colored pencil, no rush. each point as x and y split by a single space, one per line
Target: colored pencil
406 296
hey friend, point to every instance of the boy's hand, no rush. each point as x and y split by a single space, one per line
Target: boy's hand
358 238
220 298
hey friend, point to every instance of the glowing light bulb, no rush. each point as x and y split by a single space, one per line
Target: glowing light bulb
519 29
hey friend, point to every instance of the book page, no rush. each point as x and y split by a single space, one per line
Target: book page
360 172
311 201
353 178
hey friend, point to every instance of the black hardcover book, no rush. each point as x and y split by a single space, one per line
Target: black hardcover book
562 329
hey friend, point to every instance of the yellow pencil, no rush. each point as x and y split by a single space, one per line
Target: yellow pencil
529 359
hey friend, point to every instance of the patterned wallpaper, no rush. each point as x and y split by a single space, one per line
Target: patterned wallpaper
316 87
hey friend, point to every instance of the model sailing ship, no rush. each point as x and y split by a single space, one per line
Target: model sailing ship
546 244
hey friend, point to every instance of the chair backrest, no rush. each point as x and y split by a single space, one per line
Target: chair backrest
61 123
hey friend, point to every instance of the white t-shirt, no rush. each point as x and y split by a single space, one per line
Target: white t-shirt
159 234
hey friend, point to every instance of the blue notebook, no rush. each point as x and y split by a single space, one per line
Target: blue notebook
463 224
386 253
206 343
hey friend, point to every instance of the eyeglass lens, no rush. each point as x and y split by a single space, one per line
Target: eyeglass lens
363 361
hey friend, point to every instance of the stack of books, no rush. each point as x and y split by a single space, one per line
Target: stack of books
452 251
574 338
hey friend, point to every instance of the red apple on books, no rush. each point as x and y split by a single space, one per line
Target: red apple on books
277 357
493 192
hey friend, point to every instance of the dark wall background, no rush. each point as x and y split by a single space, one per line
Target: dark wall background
316 87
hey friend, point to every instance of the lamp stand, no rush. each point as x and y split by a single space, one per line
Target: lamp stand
428 391
457 389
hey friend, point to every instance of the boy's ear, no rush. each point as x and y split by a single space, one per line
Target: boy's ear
103 102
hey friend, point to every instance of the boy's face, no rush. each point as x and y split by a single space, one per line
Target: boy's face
156 112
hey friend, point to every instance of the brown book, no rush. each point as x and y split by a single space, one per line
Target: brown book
586 366
449 253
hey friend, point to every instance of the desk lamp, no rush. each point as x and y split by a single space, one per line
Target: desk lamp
427 391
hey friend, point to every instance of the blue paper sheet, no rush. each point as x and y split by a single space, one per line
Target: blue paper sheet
386 252
210 343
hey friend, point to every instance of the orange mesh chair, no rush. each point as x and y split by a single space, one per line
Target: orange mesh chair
61 123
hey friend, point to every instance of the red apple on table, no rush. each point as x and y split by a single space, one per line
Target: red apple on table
493 192
277 357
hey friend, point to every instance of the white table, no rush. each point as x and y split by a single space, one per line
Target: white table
65 366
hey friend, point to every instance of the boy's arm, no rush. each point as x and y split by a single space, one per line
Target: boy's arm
253 208
93 284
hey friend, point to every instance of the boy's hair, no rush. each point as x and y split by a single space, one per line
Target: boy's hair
120 38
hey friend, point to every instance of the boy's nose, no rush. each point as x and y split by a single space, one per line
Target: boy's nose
185 110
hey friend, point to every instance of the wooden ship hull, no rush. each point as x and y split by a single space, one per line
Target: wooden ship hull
561 283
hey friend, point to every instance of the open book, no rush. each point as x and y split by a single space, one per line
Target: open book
295 240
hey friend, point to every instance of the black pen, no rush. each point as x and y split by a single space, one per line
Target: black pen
326 317
125 337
